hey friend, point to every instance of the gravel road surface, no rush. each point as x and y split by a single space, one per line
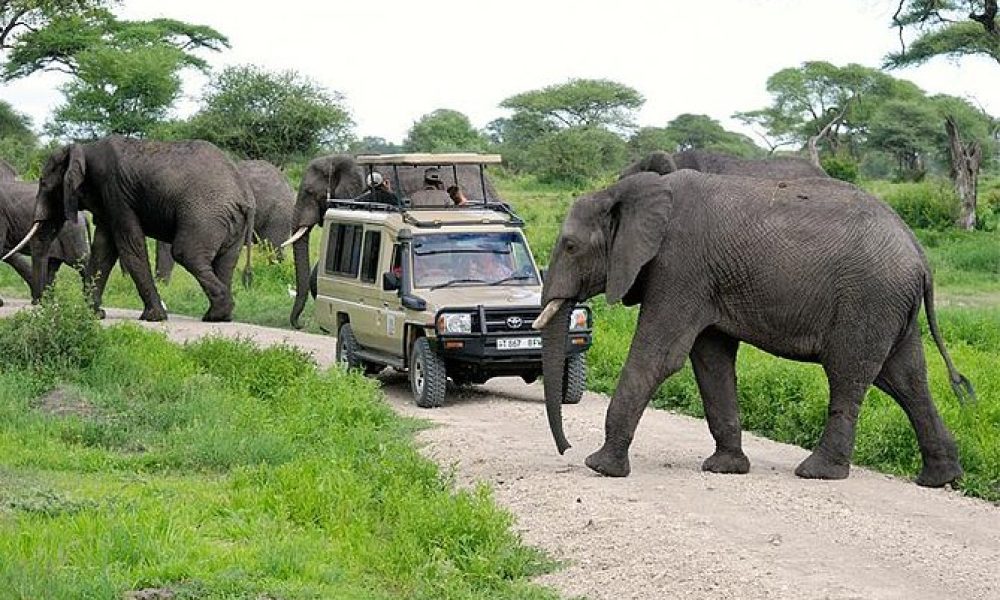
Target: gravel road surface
671 531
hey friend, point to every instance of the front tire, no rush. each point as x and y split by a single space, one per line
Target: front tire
574 379
428 378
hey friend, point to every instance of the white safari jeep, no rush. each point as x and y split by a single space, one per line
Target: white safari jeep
409 280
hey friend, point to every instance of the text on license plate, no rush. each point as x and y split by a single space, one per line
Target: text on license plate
524 343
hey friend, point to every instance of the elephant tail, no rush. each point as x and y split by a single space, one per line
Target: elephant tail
248 241
959 383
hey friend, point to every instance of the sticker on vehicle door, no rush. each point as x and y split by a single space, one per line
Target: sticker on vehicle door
390 325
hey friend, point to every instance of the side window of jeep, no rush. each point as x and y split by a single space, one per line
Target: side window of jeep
369 263
343 252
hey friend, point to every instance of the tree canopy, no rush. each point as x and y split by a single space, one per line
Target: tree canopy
952 28
444 130
275 116
580 103
693 132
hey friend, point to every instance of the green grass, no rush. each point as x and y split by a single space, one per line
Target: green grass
221 470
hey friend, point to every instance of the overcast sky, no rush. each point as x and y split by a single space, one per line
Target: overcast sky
396 60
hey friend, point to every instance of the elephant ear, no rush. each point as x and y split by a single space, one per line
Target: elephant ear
76 169
639 211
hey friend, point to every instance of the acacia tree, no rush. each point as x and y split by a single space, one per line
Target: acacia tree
444 130
820 102
125 74
275 116
952 28
580 112
18 17
693 132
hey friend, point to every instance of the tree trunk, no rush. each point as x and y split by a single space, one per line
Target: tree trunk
966 159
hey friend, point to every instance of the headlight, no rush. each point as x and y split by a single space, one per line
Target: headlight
579 319
454 323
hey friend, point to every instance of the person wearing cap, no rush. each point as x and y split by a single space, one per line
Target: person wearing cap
380 191
457 196
432 179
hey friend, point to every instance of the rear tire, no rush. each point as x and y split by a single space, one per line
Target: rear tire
347 352
574 379
428 377
314 281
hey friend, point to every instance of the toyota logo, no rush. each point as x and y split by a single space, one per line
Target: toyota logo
515 322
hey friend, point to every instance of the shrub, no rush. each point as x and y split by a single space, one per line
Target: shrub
63 333
577 155
930 204
843 168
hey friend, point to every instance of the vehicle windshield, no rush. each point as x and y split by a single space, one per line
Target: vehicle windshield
465 259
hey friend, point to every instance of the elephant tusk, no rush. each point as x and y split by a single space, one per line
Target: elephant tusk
24 242
550 309
301 231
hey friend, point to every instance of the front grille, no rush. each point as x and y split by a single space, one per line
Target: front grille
510 320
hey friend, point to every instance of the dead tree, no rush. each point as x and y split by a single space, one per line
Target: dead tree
966 159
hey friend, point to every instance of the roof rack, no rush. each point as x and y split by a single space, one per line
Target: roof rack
411 214
428 159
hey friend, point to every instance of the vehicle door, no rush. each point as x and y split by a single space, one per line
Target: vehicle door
391 318
370 331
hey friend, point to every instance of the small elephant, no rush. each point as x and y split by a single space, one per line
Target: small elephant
187 193
780 167
814 270
275 200
17 207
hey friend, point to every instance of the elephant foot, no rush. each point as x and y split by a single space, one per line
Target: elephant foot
607 463
1 301
100 314
155 314
217 316
727 461
819 466
939 474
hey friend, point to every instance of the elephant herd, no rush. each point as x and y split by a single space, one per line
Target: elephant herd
717 251
200 207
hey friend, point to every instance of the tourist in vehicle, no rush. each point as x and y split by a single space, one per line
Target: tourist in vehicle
457 196
432 179
380 190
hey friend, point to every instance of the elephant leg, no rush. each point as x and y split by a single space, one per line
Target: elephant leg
223 266
904 377
219 297
848 380
713 358
54 264
164 261
103 255
655 354
134 258
22 266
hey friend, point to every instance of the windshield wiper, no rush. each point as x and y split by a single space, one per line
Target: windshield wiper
511 278
454 281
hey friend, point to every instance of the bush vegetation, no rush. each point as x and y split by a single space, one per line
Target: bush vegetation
130 462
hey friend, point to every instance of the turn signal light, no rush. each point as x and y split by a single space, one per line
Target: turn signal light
453 345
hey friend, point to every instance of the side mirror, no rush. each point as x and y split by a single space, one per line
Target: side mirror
390 281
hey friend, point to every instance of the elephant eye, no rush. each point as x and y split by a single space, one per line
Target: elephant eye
570 247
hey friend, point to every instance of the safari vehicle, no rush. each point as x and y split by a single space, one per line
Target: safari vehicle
433 289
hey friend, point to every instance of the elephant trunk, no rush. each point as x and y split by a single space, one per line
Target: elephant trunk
554 334
301 254
41 242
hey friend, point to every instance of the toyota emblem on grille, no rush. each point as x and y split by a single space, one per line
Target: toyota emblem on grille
515 322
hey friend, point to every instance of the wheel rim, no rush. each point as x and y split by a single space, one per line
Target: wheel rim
418 376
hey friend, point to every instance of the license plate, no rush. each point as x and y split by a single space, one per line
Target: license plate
524 343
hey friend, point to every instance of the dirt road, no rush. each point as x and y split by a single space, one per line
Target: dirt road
671 531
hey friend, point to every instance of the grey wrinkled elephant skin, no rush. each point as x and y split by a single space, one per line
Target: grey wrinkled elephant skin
17 208
186 193
779 167
812 270
7 172
274 199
